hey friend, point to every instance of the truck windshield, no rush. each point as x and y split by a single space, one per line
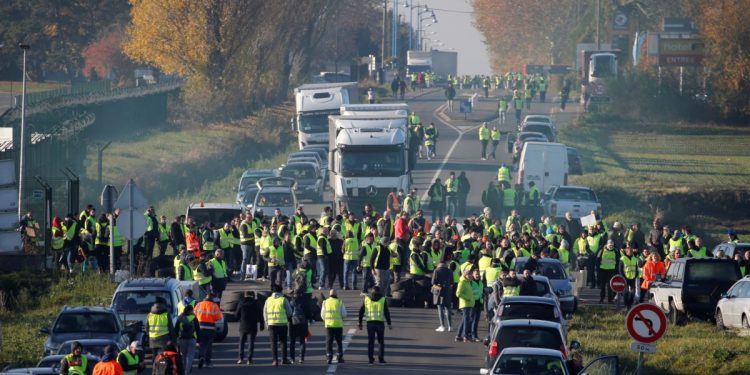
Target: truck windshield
602 66
217 216
373 162
317 123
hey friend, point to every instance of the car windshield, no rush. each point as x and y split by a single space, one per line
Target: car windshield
538 128
575 195
88 349
299 172
538 119
526 364
711 271
139 302
528 311
280 199
530 337
386 163
248 181
314 123
213 215
86 322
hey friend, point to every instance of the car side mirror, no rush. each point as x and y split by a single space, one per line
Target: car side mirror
575 345
44 330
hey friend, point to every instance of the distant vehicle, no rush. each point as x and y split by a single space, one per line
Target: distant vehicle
249 178
598 66
545 128
521 138
308 155
276 192
334 77
574 162
578 200
730 248
314 103
547 361
733 309
90 322
693 287
537 118
442 63
308 177
526 333
544 163
216 213
554 271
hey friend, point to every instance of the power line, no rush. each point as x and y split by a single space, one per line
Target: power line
452 10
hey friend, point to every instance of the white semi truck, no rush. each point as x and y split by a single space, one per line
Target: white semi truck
314 103
369 155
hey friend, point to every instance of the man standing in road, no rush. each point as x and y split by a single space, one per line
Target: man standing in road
502 109
207 313
333 313
276 313
375 311
249 314
464 187
518 106
75 362
159 326
437 199
187 333
218 268
450 94
451 194
365 256
484 138
381 264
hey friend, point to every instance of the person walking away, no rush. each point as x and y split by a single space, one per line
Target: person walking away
465 304
108 364
75 363
484 138
168 362
131 360
542 85
351 260
452 186
159 326
152 231
629 270
336 259
365 255
442 288
333 313
394 87
187 330
464 187
437 199
486 86
430 134
275 256
375 312
371 95
323 251
276 313
607 263
518 107
207 313
381 264
176 234
298 327
217 266
495 138
250 315
450 95
564 94
402 88
502 109
477 287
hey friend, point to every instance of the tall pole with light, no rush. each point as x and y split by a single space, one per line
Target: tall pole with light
22 142
421 26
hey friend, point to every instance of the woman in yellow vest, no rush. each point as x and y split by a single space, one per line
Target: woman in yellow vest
466 302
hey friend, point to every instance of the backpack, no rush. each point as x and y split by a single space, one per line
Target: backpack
298 314
165 365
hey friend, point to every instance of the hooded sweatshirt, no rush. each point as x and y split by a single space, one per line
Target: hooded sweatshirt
161 341
375 297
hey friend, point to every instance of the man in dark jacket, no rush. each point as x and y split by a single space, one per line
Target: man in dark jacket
336 259
375 310
442 294
528 286
175 232
381 264
188 330
463 192
249 314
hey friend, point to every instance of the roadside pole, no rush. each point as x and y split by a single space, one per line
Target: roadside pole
131 203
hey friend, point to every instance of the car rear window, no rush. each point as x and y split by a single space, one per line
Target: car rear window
537 311
551 270
217 216
711 271
299 172
575 195
528 364
530 337
86 322
544 129
137 302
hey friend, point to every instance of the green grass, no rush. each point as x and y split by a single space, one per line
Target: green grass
23 345
5 86
695 348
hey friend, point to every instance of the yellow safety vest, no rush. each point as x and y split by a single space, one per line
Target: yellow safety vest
414 267
220 268
158 325
80 368
275 311
100 230
333 318
368 256
276 257
201 278
132 361
509 291
374 310
608 260
490 275
351 249
57 242
451 186
630 266
503 174
323 252
509 197
484 133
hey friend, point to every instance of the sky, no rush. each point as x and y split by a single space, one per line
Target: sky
456 30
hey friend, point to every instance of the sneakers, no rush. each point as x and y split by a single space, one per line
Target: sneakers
330 361
363 294
440 329
340 360
240 361
275 363
249 362
482 158
459 339
301 361
286 362
450 329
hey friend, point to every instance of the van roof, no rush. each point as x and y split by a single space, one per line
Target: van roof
213 206
324 86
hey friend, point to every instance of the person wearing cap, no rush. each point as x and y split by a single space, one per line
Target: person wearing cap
375 311
276 313
250 316
159 326
607 265
131 360
732 236
75 363
333 313
108 365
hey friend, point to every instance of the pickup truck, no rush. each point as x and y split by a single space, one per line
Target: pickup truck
577 200
693 287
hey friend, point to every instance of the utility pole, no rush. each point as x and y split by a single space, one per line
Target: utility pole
22 143
598 24
382 46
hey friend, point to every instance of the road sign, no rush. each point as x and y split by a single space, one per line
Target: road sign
617 283
646 323
643 348
681 51
108 198
132 223
138 220
131 198
37 194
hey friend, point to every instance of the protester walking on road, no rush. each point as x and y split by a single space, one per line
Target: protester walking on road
442 296
298 327
484 138
375 312
333 313
437 199
502 109
450 94
188 330
495 138
464 187
276 314
466 304
208 314
249 314
381 264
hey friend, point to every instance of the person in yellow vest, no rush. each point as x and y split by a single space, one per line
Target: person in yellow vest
351 261
183 272
466 302
503 173
101 241
131 360
159 326
484 138
495 138
187 330
322 251
163 237
365 256
509 199
411 202
629 270
276 313
375 312
333 313
607 267
217 267
75 363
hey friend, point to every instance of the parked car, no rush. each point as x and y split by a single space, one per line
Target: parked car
578 200
540 127
515 144
217 213
547 361
90 322
730 248
733 309
554 271
528 307
526 333
308 177
248 180
544 163
693 287
276 192
574 162
37 370
537 118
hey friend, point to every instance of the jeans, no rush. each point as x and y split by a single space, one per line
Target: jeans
476 313
494 148
278 333
206 340
375 329
277 275
369 281
290 267
334 334
445 315
502 117
248 253
438 210
464 329
604 276
629 293
187 351
298 333
243 340
350 267
383 280
163 248
322 271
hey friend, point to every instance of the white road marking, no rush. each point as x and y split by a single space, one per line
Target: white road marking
345 344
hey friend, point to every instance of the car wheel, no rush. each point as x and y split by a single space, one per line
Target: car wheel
719 320
745 324
675 317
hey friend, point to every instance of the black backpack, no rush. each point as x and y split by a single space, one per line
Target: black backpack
165 365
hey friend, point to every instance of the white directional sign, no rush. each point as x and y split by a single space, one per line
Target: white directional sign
131 198
643 348
139 224
132 203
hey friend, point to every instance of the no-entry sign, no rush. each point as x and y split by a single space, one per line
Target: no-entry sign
617 283
646 323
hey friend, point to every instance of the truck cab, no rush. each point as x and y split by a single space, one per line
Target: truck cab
314 103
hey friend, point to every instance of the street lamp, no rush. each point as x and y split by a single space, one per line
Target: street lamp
409 4
422 26
24 47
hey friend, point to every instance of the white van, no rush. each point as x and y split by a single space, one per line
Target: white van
544 163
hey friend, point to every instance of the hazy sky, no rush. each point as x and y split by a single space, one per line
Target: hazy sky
455 30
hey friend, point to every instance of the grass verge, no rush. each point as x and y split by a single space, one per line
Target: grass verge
695 348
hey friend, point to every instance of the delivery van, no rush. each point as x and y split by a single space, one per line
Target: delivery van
544 163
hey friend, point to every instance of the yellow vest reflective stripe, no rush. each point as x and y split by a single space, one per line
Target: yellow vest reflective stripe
311 239
100 230
593 242
509 291
608 260
414 266
451 186
351 248
333 318
374 310
158 325
130 359
79 368
495 135
250 235
200 278
368 255
321 251
276 257
57 241
225 239
276 311
220 268
484 134
630 266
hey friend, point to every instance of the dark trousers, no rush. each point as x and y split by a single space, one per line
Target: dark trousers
337 335
604 276
243 339
542 96
149 240
218 286
629 292
368 281
461 209
278 273
102 257
278 333
476 314
336 272
484 148
438 210
375 329
163 247
494 148
206 342
591 272
298 333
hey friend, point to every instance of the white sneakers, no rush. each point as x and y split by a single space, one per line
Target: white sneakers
440 329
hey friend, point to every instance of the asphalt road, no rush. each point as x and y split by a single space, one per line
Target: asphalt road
412 346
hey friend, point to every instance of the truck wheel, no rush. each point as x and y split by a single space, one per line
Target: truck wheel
719 320
675 317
